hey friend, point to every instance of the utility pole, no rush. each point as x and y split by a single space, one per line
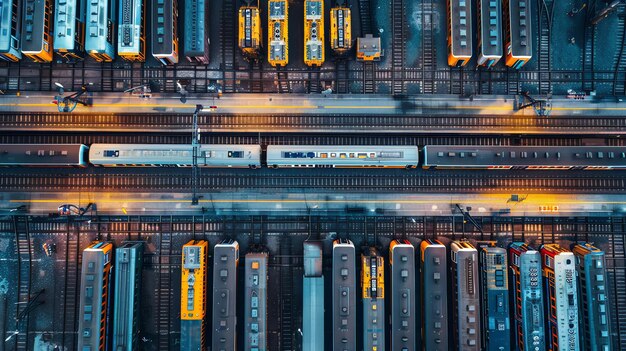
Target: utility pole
195 144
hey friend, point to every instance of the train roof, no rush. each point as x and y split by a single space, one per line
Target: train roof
130 23
97 26
341 32
45 154
195 28
531 156
461 26
314 31
8 21
520 23
65 14
162 27
491 27
368 47
32 26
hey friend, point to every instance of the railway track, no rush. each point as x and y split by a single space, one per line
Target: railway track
588 48
398 46
619 85
163 295
429 63
71 284
24 251
317 123
383 181
546 11
342 74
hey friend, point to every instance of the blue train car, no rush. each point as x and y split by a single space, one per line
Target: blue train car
344 295
196 32
403 315
255 306
593 298
225 261
131 36
495 290
10 21
527 297
165 31
127 295
313 298
36 39
69 29
100 31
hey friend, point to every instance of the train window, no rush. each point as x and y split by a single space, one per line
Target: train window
324 155
451 154
611 154
342 155
598 263
87 332
352 155
235 154
600 154
333 154
372 155
462 154
548 261
362 155
512 154
89 277
440 154
91 266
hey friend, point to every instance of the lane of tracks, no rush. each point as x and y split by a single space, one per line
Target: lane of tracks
379 181
216 122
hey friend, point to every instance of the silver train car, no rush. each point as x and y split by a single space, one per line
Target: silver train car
495 298
403 314
225 261
344 295
100 30
196 32
593 298
53 155
127 296
36 40
524 157
527 297
313 298
10 22
69 29
165 31
286 156
489 32
560 284
131 34
373 288
174 155
466 297
95 279
255 305
434 299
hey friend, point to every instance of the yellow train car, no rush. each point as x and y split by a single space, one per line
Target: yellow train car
250 31
373 289
277 34
314 32
340 29
193 295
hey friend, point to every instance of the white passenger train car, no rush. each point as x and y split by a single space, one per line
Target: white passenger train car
342 156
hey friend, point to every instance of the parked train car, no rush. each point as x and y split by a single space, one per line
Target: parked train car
340 29
489 32
69 29
466 297
527 297
196 35
127 296
278 32
373 288
100 31
225 261
403 314
518 34
559 274
36 21
344 295
312 297
434 298
495 298
593 298
178 155
459 32
525 157
131 34
314 32
95 278
342 156
193 293
255 309
52 155
250 32
165 31
10 21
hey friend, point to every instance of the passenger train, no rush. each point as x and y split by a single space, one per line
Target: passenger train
434 299
561 296
127 296
164 36
459 14
193 295
95 280
36 23
340 29
313 297
255 305
225 262
373 299
196 31
314 32
10 21
489 32
100 31
466 296
594 310
69 29
250 32
310 156
518 35
131 34
527 297
495 297
403 313
344 282
278 32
